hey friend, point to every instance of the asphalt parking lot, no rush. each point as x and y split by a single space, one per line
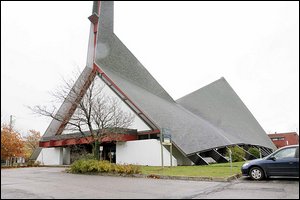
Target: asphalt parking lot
49 182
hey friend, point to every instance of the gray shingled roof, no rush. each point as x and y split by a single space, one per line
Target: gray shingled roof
211 117
220 105
191 131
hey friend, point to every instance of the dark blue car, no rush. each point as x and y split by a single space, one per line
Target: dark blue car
282 162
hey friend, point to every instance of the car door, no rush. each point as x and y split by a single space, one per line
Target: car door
284 163
297 162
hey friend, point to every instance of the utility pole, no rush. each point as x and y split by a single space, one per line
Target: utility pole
10 122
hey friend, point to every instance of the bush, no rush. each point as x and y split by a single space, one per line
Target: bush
105 166
254 151
127 169
84 166
237 154
88 156
94 166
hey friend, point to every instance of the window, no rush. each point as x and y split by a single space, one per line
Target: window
286 153
278 138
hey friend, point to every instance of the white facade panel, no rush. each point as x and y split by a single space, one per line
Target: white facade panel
142 152
51 156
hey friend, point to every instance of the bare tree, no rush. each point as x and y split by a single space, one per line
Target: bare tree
95 111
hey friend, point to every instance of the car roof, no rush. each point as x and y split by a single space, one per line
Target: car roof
294 145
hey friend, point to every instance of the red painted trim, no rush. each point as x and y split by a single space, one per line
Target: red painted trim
43 144
85 140
122 138
70 142
149 132
78 99
98 69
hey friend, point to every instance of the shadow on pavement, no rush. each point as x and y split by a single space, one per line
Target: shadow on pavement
272 179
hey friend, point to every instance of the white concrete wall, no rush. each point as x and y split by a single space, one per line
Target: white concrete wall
142 152
51 156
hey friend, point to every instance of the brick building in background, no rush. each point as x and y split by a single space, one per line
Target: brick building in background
284 139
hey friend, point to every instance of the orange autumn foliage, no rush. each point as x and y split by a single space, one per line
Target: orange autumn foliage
11 143
31 142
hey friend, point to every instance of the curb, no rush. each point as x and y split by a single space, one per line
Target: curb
195 178
154 176
61 166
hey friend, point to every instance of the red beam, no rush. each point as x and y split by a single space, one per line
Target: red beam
85 140
122 138
70 142
44 144
149 132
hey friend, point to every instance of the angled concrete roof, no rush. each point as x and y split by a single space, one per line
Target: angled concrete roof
219 104
191 131
211 117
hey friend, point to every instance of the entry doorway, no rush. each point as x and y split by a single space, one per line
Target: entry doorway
108 152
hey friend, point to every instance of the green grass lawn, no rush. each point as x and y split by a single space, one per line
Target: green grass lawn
213 170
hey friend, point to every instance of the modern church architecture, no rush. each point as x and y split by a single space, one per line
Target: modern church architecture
200 126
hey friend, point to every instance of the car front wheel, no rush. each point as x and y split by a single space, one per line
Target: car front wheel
256 173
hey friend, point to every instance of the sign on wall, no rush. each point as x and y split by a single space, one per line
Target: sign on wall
166 136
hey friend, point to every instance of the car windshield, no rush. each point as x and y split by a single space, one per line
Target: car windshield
283 153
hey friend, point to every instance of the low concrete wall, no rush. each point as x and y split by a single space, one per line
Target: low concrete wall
142 152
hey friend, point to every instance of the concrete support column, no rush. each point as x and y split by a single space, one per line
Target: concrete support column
60 156
66 156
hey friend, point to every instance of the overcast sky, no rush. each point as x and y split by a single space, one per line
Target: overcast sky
184 45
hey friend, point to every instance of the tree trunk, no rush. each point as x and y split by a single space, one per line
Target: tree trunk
96 147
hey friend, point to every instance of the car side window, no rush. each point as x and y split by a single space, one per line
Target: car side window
286 153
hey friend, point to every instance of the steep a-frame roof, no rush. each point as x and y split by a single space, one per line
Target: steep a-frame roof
190 131
209 118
